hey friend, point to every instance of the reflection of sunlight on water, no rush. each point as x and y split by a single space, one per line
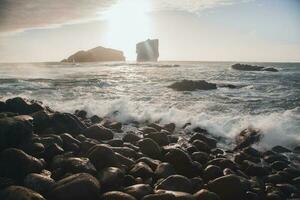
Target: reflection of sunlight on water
128 23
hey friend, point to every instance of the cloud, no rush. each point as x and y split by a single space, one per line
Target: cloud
19 15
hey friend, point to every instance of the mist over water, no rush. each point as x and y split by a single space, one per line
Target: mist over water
129 91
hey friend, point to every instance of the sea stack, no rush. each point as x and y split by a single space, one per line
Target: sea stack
147 51
97 54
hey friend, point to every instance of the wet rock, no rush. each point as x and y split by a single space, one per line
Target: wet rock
15 131
164 170
96 119
41 121
185 167
281 149
19 193
157 127
76 187
206 195
52 150
170 127
223 163
201 146
246 67
150 162
23 106
99 133
211 142
102 156
38 182
227 187
115 126
125 151
179 195
81 113
175 183
160 138
139 190
190 85
247 137
131 138
212 172
297 149
200 157
115 143
66 123
111 178
147 130
270 69
253 169
150 148
16 164
160 196
116 195
142 170
279 165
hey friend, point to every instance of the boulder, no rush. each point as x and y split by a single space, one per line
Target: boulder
97 54
150 148
159 196
189 85
15 131
175 183
212 172
116 195
98 132
103 156
16 164
111 178
206 195
160 138
246 67
247 137
131 137
227 187
76 187
139 190
66 123
20 193
142 170
164 170
23 106
38 182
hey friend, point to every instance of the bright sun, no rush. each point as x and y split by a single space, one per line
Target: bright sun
128 23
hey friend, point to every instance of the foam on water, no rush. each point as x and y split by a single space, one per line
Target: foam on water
134 92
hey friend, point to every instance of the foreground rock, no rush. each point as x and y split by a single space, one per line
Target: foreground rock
245 67
97 54
67 156
189 85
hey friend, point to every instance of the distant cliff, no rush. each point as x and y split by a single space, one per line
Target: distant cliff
147 51
98 54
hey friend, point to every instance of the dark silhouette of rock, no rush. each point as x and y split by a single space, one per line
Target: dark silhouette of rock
246 67
97 54
189 85
147 51
247 137
20 193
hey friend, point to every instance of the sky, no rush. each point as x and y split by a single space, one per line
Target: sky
188 30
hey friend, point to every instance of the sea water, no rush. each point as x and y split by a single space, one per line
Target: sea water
269 101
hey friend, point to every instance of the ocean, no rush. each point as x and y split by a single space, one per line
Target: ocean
269 101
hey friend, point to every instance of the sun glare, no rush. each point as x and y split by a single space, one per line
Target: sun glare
128 23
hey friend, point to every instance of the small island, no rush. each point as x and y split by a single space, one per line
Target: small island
147 51
97 54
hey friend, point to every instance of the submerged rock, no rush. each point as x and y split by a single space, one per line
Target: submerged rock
189 85
246 67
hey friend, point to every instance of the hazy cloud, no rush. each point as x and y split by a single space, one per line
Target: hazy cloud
17 15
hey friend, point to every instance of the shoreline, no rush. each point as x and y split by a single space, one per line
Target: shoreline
48 155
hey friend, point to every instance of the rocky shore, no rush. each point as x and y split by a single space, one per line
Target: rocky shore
51 155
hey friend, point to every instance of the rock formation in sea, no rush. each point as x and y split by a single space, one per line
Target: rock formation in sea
97 54
246 67
49 155
192 85
147 51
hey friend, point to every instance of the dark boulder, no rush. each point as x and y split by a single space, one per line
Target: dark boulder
76 187
212 172
19 193
38 182
142 170
15 131
159 196
175 183
116 195
247 137
227 187
131 138
281 149
189 85
16 164
150 148
246 67
206 195
98 132
160 138
103 156
164 170
23 106
66 123
139 190
111 178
